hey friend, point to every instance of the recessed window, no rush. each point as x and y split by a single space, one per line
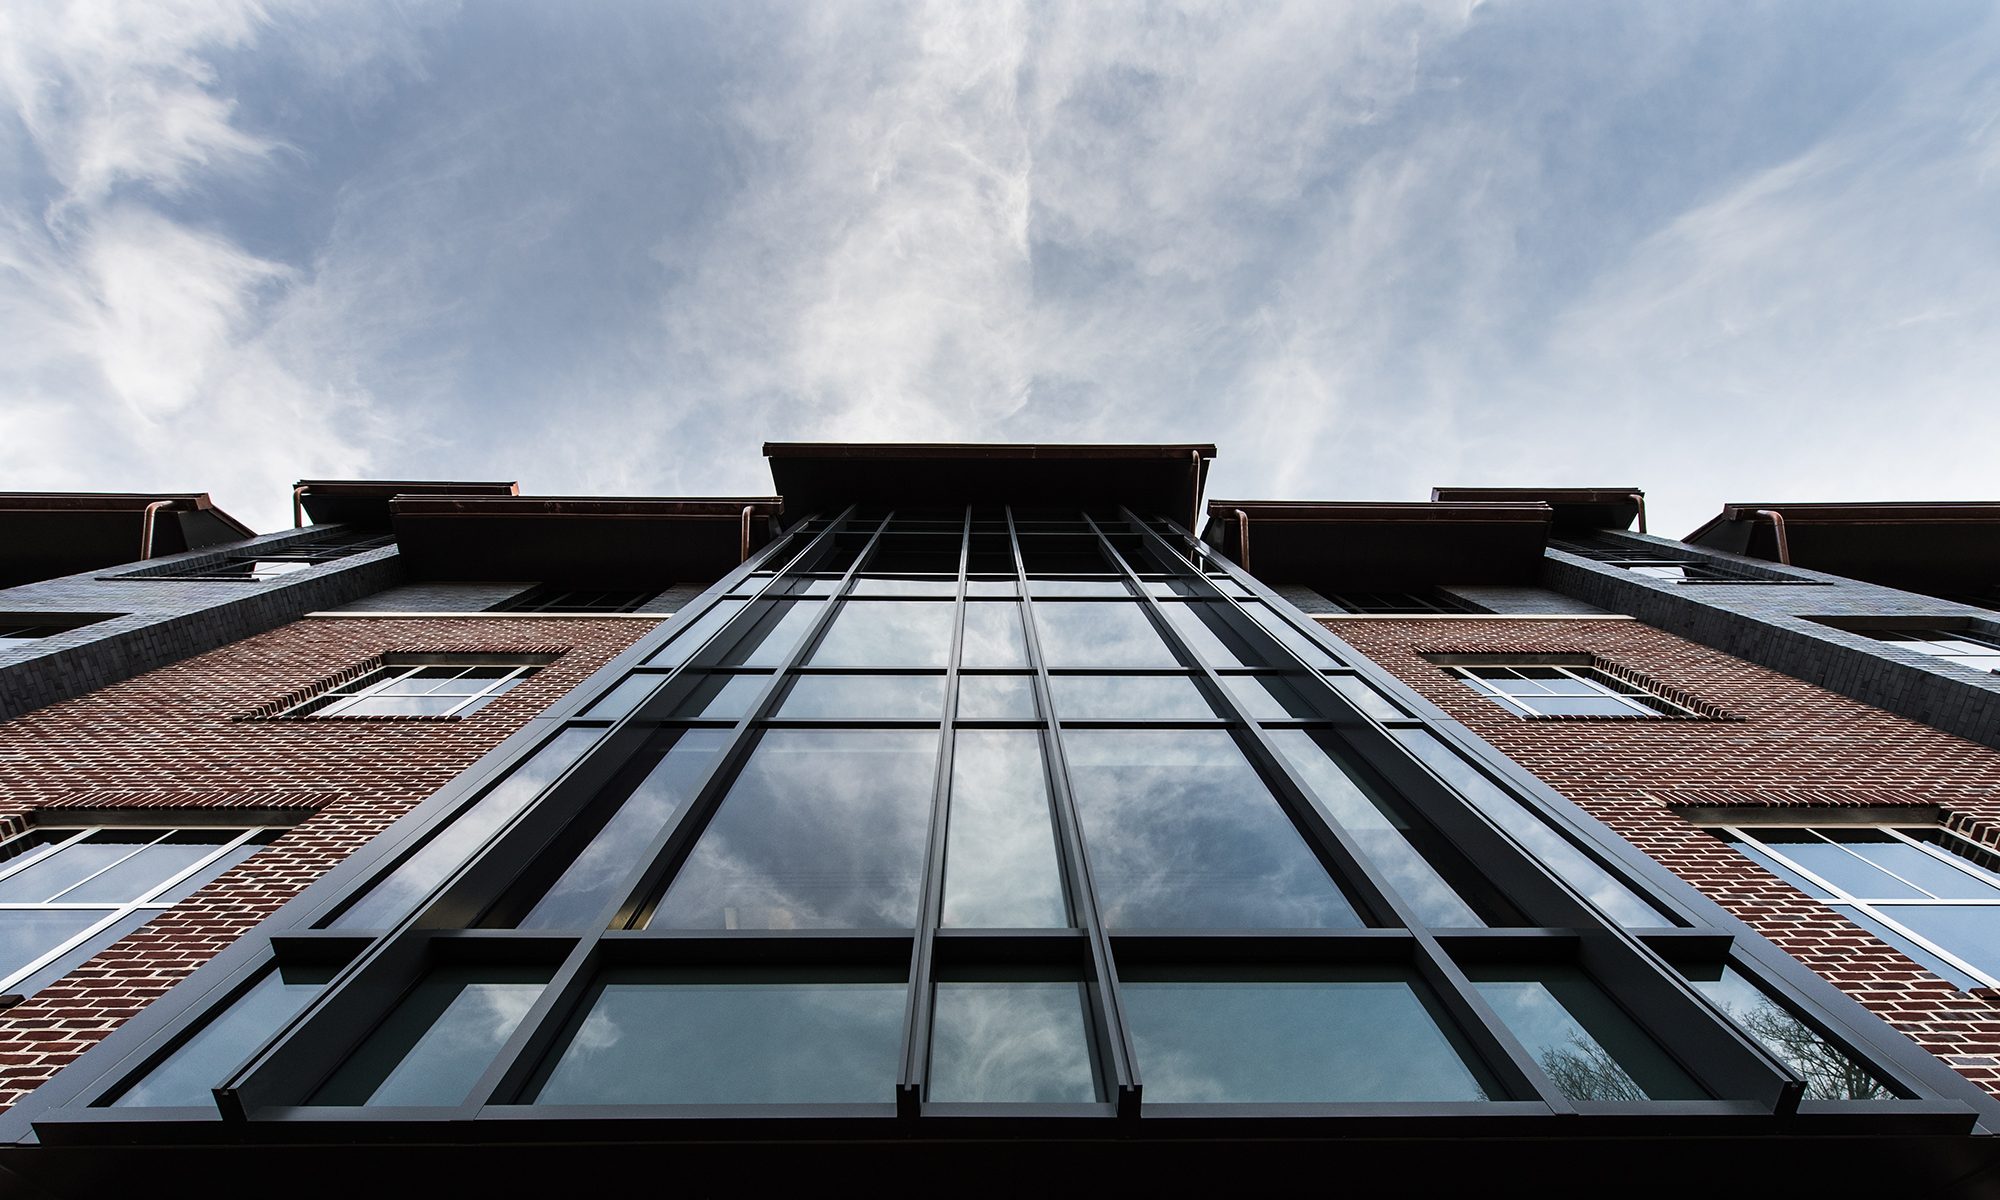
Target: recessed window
1542 689
1672 570
242 570
1980 651
35 628
546 599
1427 600
1929 893
66 894
438 685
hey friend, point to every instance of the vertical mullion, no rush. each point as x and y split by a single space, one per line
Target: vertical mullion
1115 1043
910 1084
1501 1051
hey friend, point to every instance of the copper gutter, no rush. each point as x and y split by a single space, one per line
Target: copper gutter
1194 493
146 530
1778 528
1639 498
747 510
1242 539
298 507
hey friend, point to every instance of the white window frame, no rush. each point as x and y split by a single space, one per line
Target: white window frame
1924 641
1589 680
373 685
114 913
1839 898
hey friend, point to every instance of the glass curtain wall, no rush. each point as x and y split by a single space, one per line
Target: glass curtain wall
1000 806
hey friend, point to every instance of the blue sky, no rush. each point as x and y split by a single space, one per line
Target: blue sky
1722 251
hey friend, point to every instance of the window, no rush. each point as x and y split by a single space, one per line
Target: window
34 628
1656 566
271 562
1980 651
1929 893
1540 687
248 570
547 599
65 894
1428 600
427 685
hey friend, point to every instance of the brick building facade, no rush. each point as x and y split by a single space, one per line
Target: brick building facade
184 744
1778 743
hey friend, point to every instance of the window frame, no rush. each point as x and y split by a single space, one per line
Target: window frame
1585 671
393 667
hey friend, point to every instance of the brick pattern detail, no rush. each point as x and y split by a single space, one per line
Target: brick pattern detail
1796 745
168 739
1698 708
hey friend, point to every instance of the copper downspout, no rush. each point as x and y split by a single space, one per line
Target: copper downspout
746 533
1242 539
1641 498
298 508
1778 527
146 530
1194 481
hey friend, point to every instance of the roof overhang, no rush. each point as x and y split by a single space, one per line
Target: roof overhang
825 477
1363 546
1574 507
584 541
45 535
366 501
1919 546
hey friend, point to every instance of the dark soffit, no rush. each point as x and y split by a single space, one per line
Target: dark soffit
1919 546
1574 507
583 541
824 477
46 535
366 501
1343 545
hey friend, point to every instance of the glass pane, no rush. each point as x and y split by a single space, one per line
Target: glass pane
400 890
623 698
1309 651
861 697
1382 834
1582 706
142 874
1917 865
211 871
1323 1036
690 639
868 585
1106 634
1829 1073
764 1037
1908 945
720 697
396 706
888 633
439 1040
1548 847
1364 697
993 637
1588 1046
1127 697
996 698
81 953
1844 870
27 933
771 640
186 1076
824 829
669 770
1763 858
991 587
1268 697
1970 931
1181 833
1011 1042
62 869
1077 587
1207 631
1000 851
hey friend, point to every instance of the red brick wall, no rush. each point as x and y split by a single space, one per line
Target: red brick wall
1794 746
176 738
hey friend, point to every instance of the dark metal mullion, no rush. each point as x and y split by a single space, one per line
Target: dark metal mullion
1490 1037
1114 1042
672 845
910 1083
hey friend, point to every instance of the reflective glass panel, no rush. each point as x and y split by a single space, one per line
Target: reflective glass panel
720 697
1829 1073
1181 833
26 934
1971 931
1039 588
1586 1044
1308 1036
65 867
1268 697
745 1037
1128 698
623 698
186 1077
1207 630
439 1040
864 697
996 698
993 636
398 891
824 829
887 633
1387 837
1830 861
691 639
1000 851
1077 633
869 585
140 875
1309 651
669 769
1364 697
770 641
1011 1042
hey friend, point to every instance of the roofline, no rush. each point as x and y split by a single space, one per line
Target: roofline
1864 512
471 487
1574 495
1533 512
132 502
649 507
994 450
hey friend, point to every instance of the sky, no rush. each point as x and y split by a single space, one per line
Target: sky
1721 251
